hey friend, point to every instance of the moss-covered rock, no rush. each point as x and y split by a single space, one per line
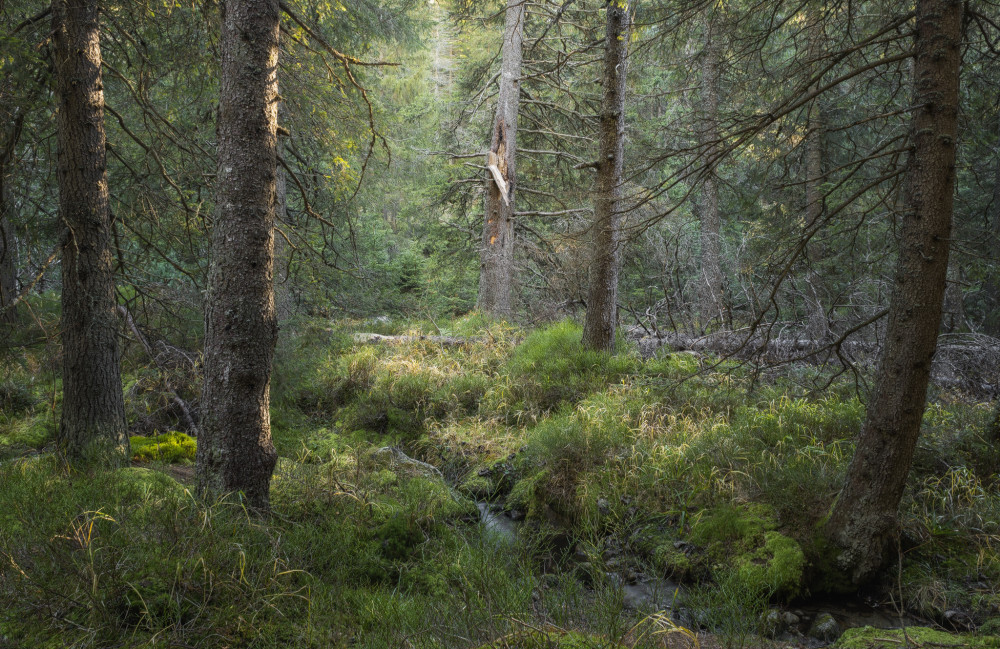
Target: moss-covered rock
778 565
872 638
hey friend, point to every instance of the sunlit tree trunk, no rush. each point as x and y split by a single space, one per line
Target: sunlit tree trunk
864 518
496 262
602 295
92 429
711 305
235 451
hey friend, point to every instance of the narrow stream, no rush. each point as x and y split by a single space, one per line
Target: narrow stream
665 595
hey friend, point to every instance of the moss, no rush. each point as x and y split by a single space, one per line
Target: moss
990 627
872 638
777 566
729 524
32 431
673 562
172 448
146 482
525 494
480 487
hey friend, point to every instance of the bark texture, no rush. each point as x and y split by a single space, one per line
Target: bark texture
602 296
711 306
817 324
8 276
864 518
496 261
92 429
235 452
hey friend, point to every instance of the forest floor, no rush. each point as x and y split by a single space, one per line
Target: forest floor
514 490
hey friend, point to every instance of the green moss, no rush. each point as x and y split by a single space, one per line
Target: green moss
825 575
31 431
172 448
872 638
146 483
525 494
777 566
480 487
730 523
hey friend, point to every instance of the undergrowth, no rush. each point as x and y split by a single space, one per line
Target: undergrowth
625 470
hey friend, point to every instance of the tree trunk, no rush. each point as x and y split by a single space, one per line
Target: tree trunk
93 428
8 275
711 306
496 262
235 452
602 296
991 287
817 324
864 518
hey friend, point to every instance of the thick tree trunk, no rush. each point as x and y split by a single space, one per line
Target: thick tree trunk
711 307
235 452
864 518
817 324
93 428
602 296
496 261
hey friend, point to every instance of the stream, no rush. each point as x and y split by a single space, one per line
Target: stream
792 623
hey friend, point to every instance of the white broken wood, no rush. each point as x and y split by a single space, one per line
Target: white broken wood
493 164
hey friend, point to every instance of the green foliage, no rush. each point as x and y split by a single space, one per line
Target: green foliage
172 448
731 607
872 638
552 367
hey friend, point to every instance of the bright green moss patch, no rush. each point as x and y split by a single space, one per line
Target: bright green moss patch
871 638
777 565
172 448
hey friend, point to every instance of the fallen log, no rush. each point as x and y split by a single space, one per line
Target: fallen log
370 338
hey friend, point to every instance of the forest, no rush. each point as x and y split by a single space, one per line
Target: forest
499 324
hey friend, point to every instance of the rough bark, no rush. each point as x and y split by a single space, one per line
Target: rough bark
817 324
602 295
235 452
496 261
92 429
711 307
8 275
864 518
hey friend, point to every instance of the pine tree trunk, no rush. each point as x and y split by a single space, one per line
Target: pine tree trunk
817 324
602 296
92 429
8 275
711 307
235 452
864 518
991 287
496 262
